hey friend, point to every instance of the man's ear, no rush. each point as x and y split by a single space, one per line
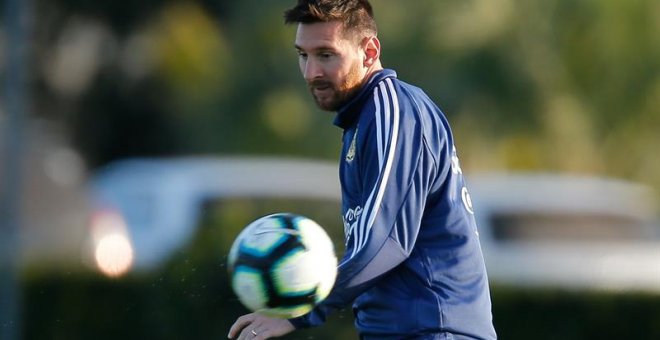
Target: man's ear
371 50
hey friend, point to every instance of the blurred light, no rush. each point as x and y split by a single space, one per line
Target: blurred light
114 255
113 250
82 48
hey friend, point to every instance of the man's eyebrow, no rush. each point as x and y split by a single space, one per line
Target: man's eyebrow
316 49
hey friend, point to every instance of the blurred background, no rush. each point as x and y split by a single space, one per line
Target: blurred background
142 120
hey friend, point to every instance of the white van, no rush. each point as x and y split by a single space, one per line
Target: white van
535 229
568 231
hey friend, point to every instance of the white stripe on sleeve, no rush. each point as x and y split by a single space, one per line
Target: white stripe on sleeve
391 115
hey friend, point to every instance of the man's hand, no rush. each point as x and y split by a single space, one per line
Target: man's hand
257 326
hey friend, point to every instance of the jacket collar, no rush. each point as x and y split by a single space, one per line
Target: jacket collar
348 114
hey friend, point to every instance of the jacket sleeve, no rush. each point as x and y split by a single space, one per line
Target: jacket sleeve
396 170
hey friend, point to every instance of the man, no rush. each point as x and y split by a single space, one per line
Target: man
413 267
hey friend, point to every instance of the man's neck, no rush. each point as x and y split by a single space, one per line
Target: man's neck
371 71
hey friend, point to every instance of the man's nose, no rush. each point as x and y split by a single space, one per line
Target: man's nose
311 70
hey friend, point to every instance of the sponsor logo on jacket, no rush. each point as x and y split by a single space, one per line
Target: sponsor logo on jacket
350 220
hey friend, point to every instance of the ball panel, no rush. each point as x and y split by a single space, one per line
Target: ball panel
249 287
321 258
292 274
263 236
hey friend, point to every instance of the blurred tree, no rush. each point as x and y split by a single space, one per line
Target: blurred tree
561 85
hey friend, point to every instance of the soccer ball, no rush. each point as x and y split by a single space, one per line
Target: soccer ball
282 265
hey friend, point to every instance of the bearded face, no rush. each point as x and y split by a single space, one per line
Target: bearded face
330 95
331 63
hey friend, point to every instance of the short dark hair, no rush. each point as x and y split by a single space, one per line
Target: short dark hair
356 15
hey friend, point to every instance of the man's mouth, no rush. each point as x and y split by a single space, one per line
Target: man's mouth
320 86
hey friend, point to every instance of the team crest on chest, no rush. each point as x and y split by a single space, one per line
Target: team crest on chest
350 154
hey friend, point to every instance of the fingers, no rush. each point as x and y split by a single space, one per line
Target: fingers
240 324
259 327
264 334
250 332
260 335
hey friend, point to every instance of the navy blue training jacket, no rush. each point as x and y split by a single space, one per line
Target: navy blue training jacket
413 263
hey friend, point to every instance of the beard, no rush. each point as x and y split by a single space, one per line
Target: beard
330 96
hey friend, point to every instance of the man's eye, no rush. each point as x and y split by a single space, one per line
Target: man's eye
325 55
302 55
